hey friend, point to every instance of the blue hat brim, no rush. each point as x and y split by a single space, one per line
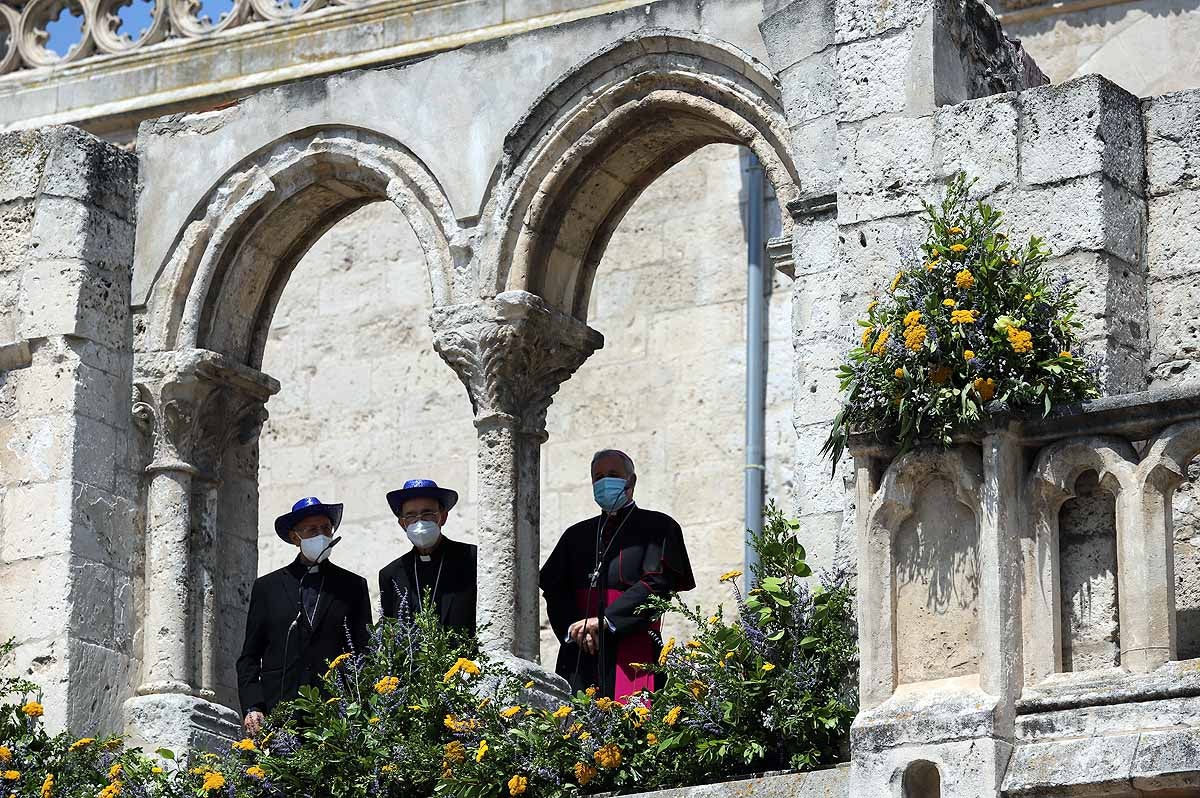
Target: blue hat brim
285 522
445 497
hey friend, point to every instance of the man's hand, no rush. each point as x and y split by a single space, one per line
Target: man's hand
586 634
253 722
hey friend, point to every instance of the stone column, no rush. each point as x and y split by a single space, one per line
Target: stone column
511 353
1146 570
876 610
1000 569
182 401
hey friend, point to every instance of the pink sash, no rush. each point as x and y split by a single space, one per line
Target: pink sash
638 647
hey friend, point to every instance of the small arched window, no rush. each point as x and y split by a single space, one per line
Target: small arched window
922 780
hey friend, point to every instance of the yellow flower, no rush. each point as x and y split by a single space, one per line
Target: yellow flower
1065 354
899 374
12 775
528 684
604 704
767 667
387 685
962 317
5 754
481 751
672 715
914 337
1020 340
256 773
111 791
939 376
585 735
713 619
562 712
608 756
114 772
954 231
213 781
949 303
662 657
896 281
590 692
1013 261
75 746
48 786
958 247
462 665
584 773
517 785
697 687
880 342
866 336
156 769
694 644
873 304
912 317
651 739
33 709
640 714
729 576
985 388
338 660
389 768
333 700
931 265
968 354
1028 297
964 279
244 745
454 752
372 721
510 713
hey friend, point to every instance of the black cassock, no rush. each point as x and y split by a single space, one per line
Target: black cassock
641 554
449 573
331 609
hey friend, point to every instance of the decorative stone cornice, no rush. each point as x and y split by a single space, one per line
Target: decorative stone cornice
195 403
512 353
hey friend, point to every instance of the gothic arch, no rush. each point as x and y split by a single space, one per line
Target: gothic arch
604 132
218 287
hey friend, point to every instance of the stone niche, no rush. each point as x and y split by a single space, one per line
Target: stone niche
1090 608
936 563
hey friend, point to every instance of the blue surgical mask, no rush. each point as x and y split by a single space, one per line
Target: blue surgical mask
610 493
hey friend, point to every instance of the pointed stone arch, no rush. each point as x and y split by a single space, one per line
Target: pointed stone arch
218 287
603 133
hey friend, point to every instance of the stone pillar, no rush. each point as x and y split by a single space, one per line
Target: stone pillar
1146 570
184 402
511 353
877 659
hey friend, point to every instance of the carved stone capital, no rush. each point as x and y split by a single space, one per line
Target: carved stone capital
512 353
194 404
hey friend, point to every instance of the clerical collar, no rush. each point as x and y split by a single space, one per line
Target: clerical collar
632 505
300 568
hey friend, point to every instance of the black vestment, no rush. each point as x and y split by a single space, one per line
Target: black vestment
643 555
283 649
453 590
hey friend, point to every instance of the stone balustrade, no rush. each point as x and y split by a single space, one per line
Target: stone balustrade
981 611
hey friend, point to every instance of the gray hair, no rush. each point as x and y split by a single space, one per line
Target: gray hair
625 460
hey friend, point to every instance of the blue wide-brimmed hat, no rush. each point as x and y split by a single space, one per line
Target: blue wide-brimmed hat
309 505
419 489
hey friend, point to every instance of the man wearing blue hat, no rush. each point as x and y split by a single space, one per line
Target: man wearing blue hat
443 567
301 616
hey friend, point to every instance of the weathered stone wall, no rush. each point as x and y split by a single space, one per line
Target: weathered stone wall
69 535
1147 47
366 403
1091 632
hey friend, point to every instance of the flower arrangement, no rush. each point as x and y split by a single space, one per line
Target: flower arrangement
422 712
977 319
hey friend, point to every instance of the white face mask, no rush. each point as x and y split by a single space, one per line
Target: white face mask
423 534
316 549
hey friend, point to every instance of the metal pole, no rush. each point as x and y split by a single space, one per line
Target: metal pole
756 352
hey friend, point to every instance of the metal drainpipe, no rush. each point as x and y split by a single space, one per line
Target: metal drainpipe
756 351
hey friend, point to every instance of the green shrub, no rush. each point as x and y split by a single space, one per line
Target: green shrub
423 712
972 319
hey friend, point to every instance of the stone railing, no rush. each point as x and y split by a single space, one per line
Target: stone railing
24 33
987 600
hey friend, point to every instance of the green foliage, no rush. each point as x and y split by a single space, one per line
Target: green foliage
424 713
976 319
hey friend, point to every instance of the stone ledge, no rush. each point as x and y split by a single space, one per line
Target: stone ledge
811 784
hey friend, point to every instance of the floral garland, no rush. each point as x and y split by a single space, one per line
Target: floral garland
975 320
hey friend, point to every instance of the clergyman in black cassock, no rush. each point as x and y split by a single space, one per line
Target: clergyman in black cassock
444 567
301 616
593 608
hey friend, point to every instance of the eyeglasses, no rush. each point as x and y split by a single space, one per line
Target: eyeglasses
428 515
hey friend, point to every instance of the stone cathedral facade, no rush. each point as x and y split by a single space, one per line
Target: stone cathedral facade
329 246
